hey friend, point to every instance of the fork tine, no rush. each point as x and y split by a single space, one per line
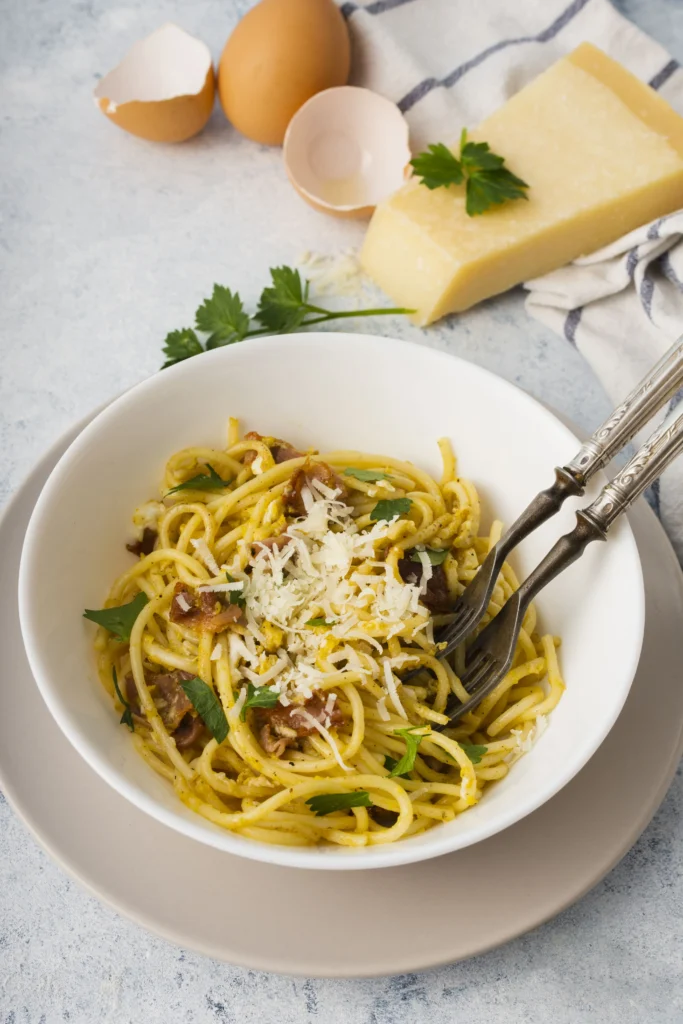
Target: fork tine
464 616
478 668
483 681
487 684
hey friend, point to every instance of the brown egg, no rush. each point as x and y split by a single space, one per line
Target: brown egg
281 53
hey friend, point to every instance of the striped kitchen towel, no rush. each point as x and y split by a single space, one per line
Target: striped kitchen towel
450 63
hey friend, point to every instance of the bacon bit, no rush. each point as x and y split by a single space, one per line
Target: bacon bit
437 597
144 546
133 697
382 816
201 610
281 727
272 543
172 704
292 497
188 732
171 700
282 451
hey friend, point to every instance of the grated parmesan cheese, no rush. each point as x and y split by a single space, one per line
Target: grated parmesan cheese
382 709
427 571
202 549
391 687
316 573
526 737
236 709
280 665
326 735
183 603
219 588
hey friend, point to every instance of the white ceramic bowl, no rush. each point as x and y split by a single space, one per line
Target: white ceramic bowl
330 391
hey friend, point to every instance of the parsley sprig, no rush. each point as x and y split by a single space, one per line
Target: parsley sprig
119 620
207 706
488 182
388 508
435 555
201 482
401 768
475 751
328 803
259 697
369 476
127 716
284 306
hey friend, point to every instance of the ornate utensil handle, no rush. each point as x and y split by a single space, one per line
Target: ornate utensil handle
646 465
660 384
654 390
593 522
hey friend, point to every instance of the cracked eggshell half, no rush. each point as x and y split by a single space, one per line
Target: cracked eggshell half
346 150
163 90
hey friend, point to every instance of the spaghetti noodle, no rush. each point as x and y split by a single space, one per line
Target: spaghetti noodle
285 594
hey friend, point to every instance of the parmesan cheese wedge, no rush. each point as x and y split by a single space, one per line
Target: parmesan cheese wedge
602 154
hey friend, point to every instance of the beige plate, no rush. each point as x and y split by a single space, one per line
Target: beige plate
357 921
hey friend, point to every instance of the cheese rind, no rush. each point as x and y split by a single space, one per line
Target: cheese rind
602 154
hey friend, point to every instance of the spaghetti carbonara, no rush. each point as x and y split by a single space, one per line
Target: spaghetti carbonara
257 646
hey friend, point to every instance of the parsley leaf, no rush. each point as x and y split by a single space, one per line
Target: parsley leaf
477 156
235 596
328 803
320 621
181 345
488 182
368 475
436 555
413 740
259 697
222 317
390 507
390 764
491 188
283 306
201 482
208 707
127 716
437 166
475 751
121 619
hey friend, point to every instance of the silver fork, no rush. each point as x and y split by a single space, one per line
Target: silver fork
490 656
635 411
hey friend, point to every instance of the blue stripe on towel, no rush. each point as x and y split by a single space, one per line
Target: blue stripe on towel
653 493
653 498
647 290
379 7
664 75
632 262
669 272
426 86
571 323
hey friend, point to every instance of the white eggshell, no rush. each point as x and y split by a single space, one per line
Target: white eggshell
346 150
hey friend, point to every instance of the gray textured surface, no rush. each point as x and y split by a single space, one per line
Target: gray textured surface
107 243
